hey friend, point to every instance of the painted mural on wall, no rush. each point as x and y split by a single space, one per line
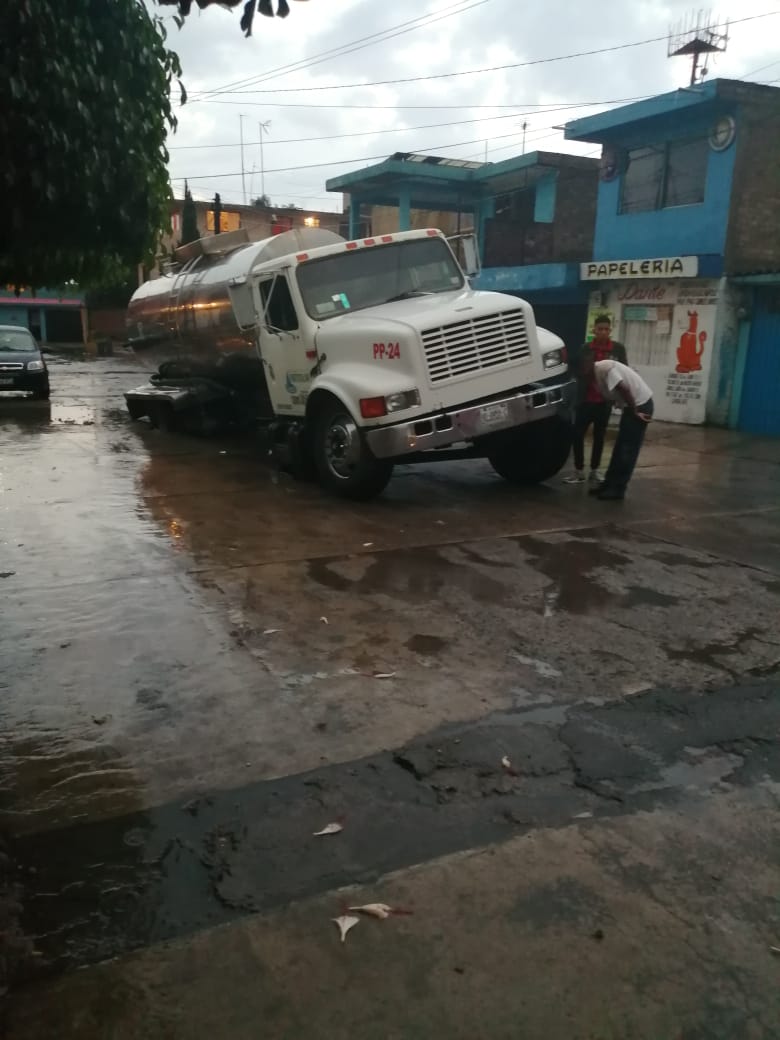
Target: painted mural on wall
668 330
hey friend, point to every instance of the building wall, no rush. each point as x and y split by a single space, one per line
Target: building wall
753 242
384 220
574 223
669 331
259 222
675 231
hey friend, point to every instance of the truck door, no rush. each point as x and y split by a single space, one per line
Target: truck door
282 347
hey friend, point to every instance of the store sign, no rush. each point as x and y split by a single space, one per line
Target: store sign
662 267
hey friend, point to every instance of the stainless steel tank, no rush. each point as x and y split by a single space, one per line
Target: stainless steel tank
187 314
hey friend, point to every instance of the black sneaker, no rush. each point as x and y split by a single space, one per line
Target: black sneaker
610 495
597 489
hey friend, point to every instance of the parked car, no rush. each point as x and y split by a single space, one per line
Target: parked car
21 363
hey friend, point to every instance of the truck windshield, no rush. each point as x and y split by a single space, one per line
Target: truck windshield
369 277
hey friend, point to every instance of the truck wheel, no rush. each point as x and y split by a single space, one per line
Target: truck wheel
344 461
532 453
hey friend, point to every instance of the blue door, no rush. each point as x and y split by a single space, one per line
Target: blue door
759 410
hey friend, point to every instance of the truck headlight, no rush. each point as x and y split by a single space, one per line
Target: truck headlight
35 366
404 399
554 358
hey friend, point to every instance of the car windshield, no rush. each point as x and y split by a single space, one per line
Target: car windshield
369 277
16 339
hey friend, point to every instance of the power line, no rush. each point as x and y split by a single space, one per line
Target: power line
493 68
358 133
421 21
400 105
344 162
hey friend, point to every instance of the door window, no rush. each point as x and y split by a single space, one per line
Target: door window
278 304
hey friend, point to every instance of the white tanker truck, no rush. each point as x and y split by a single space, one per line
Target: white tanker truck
353 356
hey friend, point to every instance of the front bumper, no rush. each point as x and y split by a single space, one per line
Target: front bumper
21 380
542 400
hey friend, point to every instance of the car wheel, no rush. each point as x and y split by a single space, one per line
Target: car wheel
344 462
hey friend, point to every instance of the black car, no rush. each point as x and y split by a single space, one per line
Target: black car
21 363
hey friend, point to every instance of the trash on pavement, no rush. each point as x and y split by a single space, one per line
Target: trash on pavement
505 762
380 910
331 828
344 923
324 620
384 675
583 816
271 631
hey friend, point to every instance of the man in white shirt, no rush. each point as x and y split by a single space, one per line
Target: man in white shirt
621 385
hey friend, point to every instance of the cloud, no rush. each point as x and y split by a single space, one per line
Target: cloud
217 59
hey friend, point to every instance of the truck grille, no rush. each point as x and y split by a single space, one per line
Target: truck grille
11 366
463 347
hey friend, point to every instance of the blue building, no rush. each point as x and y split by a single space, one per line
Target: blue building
686 254
534 216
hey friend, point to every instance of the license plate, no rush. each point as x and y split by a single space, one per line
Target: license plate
493 414
6 380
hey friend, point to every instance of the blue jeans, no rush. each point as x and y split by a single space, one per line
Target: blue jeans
631 433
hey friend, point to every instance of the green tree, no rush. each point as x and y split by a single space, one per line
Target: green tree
265 7
86 88
189 219
263 202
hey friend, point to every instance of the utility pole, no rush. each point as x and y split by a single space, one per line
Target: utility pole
241 135
263 129
524 129
217 214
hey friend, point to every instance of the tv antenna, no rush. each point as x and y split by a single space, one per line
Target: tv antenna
695 35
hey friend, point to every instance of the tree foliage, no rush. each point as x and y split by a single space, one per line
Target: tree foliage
262 202
86 88
189 218
251 7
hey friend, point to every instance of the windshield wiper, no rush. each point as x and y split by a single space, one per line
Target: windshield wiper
408 295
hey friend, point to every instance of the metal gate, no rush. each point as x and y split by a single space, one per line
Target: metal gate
759 410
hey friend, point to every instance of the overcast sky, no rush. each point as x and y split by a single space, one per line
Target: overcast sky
228 76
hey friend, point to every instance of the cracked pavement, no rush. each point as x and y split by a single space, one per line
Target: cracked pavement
205 662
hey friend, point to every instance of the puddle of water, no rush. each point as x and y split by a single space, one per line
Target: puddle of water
700 772
570 566
73 415
426 645
415 575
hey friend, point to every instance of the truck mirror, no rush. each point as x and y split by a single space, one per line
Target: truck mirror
243 307
466 249
471 265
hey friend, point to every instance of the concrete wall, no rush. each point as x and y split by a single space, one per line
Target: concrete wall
724 355
681 393
675 231
384 220
753 242
574 223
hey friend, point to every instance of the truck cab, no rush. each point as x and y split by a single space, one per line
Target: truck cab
378 351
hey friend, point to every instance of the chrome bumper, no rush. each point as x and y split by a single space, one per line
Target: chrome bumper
540 401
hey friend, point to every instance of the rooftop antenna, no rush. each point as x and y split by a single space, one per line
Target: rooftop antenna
696 34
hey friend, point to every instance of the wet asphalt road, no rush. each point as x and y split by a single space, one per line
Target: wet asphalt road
203 662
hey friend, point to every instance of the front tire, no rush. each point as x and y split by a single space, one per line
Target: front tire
532 454
344 462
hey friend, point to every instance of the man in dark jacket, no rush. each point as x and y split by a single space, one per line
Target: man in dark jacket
592 408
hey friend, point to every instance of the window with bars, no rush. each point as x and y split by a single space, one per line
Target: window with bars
665 175
647 335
